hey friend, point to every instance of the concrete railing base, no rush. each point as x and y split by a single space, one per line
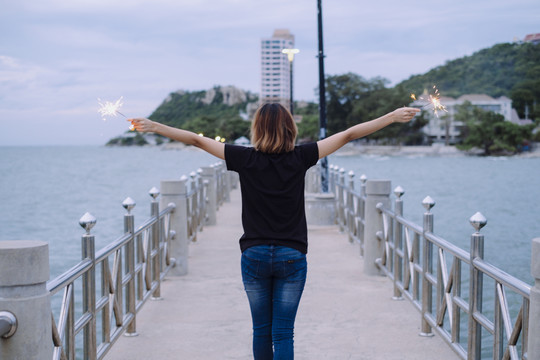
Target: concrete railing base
320 208
24 266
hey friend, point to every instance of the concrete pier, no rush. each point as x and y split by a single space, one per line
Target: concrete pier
344 314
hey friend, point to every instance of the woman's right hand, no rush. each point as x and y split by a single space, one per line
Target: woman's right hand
142 124
404 114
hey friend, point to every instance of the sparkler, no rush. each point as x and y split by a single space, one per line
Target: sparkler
108 108
434 101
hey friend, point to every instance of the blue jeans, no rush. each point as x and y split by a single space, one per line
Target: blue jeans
274 278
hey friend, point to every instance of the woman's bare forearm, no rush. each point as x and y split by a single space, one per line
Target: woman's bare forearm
184 136
329 145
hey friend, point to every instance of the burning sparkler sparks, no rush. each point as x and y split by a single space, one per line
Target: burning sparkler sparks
108 108
433 101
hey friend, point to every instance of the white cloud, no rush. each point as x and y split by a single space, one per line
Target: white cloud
61 55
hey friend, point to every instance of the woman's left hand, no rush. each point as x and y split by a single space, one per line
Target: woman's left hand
142 124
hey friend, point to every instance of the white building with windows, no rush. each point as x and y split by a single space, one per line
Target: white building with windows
275 68
444 128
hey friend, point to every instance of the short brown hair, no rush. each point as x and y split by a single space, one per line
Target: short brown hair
273 129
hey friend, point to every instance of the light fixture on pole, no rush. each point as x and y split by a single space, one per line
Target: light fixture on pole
290 54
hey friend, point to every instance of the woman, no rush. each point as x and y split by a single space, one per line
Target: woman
274 243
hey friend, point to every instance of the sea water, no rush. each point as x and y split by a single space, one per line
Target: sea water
45 190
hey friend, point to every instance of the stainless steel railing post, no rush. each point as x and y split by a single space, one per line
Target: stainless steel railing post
427 268
129 261
534 312
362 212
341 200
350 207
88 252
155 253
398 243
474 345
201 200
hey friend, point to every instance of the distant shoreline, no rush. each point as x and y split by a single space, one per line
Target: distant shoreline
419 150
352 149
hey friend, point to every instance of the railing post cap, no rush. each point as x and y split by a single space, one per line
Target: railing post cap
193 174
154 192
129 204
428 203
342 171
87 222
183 178
478 221
363 178
398 191
535 258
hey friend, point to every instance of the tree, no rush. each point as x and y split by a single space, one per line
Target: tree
352 100
490 131
308 129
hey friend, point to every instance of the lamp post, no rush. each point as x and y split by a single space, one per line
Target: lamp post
322 100
290 54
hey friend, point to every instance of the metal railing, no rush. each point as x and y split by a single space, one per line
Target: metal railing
112 291
350 204
452 303
116 281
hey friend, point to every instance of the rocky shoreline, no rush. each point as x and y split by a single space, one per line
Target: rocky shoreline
433 150
387 150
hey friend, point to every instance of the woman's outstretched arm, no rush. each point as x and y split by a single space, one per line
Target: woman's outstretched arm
330 144
187 137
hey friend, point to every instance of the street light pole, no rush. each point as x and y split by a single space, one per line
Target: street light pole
290 54
322 101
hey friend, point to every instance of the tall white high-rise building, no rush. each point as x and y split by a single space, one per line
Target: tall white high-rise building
275 68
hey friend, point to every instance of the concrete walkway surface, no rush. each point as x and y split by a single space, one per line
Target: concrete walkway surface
343 313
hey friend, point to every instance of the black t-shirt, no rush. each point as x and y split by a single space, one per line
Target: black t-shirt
272 185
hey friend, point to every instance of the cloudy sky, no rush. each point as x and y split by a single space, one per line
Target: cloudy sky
57 57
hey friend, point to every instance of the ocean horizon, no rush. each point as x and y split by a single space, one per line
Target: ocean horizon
46 189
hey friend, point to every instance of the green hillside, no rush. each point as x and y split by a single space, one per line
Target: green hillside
508 69
220 111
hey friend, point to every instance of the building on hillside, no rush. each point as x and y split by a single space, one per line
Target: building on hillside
275 68
445 129
532 38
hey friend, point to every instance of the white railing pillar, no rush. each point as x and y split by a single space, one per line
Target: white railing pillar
209 175
377 191
175 191
534 311
25 303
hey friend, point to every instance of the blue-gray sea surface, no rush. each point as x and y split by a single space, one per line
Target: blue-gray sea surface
45 190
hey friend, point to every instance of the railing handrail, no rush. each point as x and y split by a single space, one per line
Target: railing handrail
503 278
415 259
141 259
